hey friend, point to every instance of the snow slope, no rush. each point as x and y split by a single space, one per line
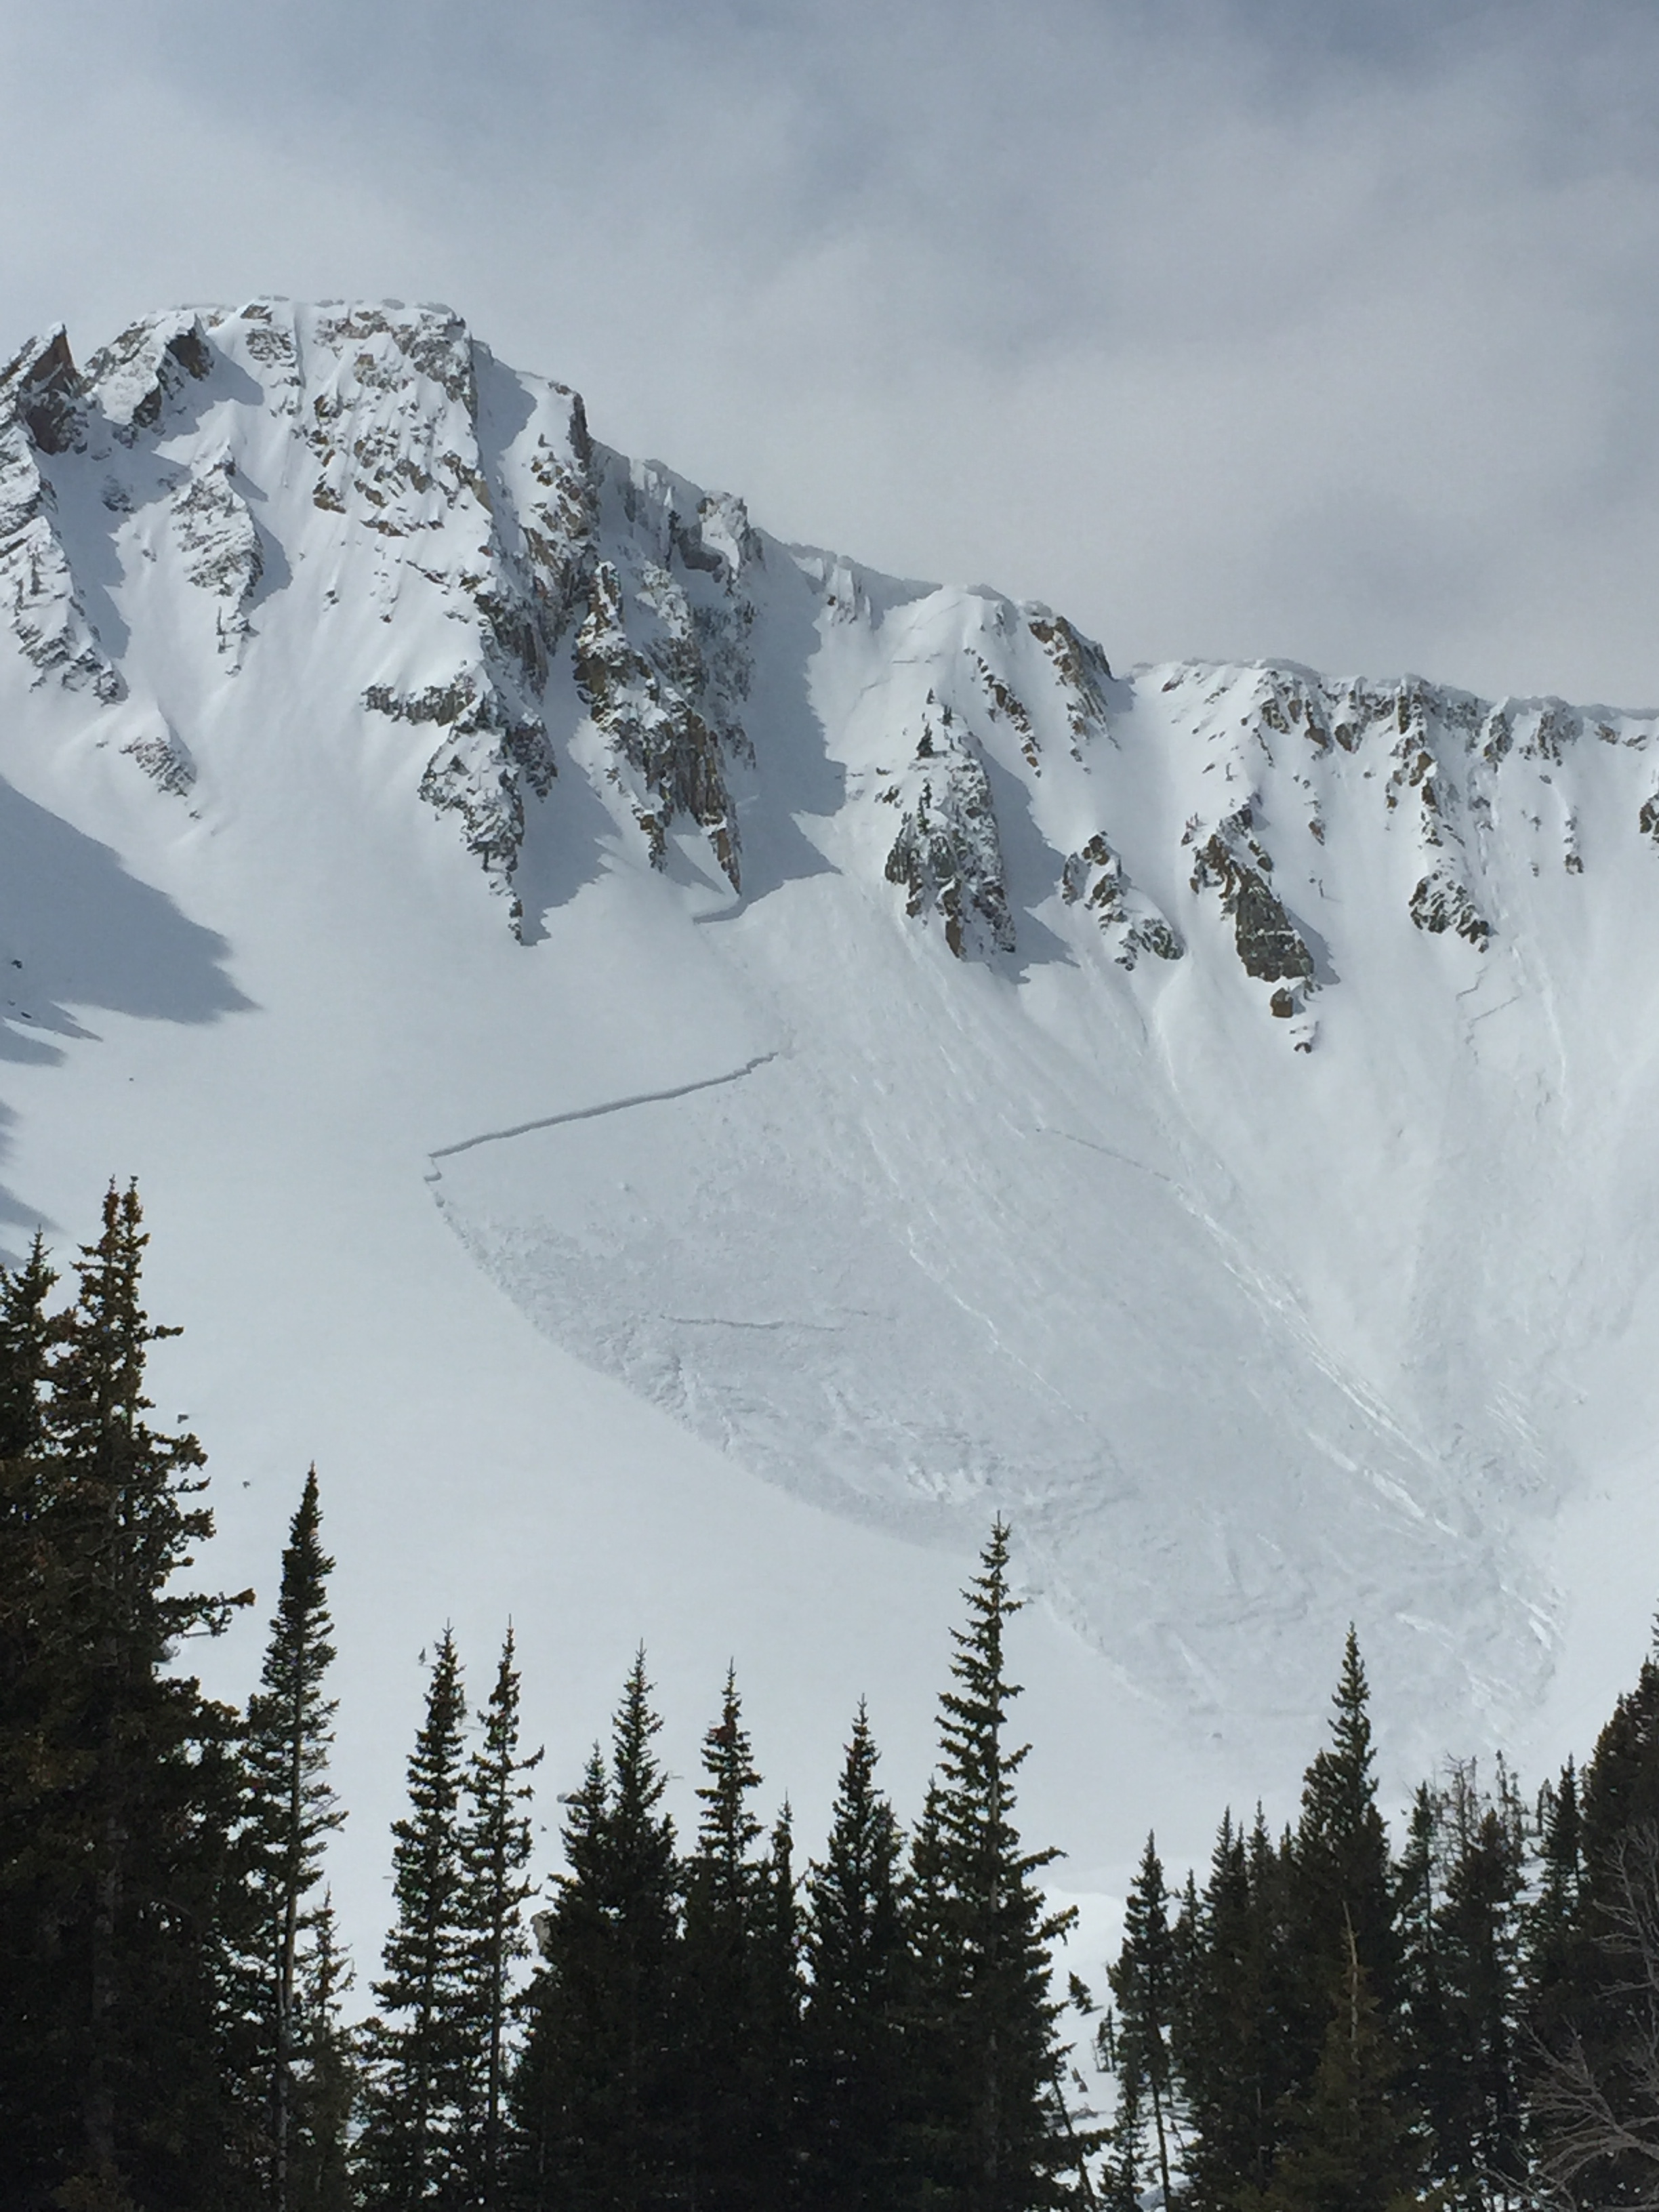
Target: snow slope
688 1074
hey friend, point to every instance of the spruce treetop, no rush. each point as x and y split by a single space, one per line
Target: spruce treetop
1338 1795
27 1332
637 1781
124 1482
727 1830
853 1890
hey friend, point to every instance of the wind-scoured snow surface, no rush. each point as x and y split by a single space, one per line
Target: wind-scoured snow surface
1203 1114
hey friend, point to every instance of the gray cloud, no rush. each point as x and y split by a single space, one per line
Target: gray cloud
1302 327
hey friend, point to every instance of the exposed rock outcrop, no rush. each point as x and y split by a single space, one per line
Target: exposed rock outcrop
469 567
947 856
1232 861
1094 878
136 377
1082 669
221 544
38 597
1442 903
648 703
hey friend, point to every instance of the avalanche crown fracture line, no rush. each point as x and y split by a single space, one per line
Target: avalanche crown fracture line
591 1112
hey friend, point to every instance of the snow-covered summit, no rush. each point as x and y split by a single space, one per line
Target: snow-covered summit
491 575
1203 1112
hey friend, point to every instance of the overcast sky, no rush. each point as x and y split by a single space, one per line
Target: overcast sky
1318 328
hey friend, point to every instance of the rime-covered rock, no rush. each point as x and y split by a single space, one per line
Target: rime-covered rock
1094 878
358 500
40 599
663 676
1232 861
221 544
946 856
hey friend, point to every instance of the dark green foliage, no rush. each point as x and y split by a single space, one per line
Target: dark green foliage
595 2097
1555 1919
1346 2147
1424 2026
1268 1968
291 1813
319 2167
1144 1983
1233 2060
1620 1791
1594 2091
855 2075
1478 2145
567 2102
893 2044
412 2151
27 1333
1343 1890
495 1852
779 1995
1462 1881
735 1960
1123 2178
119 1784
1504 1984
994 2134
38 2115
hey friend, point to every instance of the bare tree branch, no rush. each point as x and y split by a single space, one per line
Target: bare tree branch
1595 2107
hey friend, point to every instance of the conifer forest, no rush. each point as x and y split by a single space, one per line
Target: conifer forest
1459 2008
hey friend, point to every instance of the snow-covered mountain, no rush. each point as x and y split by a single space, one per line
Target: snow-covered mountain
1203 1112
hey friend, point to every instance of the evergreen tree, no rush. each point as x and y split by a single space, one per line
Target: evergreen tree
1478 2151
1621 1790
411 2151
1425 2029
1267 1965
1554 1910
27 1334
38 2092
325 2087
124 1797
1238 2069
1594 2091
1347 2148
1461 1886
854 2089
1554 1919
733 2068
1143 1982
779 1999
566 2131
1343 1887
595 2097
494 1850
291 1812
1123 2177
996 2137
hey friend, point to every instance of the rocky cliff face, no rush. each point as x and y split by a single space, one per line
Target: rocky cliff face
41 416
510 595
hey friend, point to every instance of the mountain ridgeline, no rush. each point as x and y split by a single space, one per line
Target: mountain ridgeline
390 449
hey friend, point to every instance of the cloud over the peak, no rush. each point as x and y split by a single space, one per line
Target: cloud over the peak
1320 327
